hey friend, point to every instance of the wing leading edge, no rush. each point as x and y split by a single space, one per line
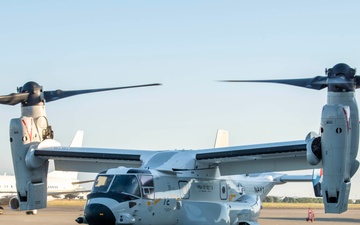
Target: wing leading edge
281 156
84 159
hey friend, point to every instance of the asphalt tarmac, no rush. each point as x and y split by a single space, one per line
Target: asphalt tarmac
298 216
66 215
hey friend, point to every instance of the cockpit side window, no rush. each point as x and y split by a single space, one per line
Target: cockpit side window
102 183
147 184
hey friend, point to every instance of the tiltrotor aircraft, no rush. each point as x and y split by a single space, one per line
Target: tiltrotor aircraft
208 186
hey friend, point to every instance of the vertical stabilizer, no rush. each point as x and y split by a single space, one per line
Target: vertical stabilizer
222 139
78 139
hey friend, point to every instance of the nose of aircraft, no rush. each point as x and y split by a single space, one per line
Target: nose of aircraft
98 214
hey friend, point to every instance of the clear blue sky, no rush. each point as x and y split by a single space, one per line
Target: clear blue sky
187 46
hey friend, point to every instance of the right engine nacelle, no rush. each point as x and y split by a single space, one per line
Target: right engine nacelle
313 150
336 151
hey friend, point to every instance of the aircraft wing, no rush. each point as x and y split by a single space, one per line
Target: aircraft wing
4 199
56 194
281 156
84 159
249 159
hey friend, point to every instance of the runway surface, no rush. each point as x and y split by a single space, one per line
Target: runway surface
66 215
298 216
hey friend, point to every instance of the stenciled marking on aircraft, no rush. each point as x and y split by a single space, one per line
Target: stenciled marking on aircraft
29 132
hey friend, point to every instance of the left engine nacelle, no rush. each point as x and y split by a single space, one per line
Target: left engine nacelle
313 149
31 175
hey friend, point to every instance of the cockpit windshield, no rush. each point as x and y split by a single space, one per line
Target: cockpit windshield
126 184
102 183
124 187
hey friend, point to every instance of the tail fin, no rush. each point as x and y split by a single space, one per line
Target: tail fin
78 139
222 139
317 179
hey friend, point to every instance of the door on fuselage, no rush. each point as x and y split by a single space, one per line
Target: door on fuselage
147 186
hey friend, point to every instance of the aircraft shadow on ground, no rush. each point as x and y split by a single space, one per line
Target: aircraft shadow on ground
343 220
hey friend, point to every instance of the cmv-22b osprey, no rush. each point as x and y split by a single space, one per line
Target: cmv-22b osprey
209 186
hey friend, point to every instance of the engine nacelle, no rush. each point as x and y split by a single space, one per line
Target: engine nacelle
335 148
14 203
31 175
313 150
354 168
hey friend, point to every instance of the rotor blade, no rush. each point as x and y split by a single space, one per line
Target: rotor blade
357 81
14 98
59 94
316 83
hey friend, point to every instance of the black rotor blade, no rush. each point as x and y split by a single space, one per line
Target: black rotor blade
14 98
316 83
59 94
357 81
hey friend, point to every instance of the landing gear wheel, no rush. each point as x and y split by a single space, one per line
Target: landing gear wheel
1 210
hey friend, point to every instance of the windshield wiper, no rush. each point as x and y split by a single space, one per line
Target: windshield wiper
130 195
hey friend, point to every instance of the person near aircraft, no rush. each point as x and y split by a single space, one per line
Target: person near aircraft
311 215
